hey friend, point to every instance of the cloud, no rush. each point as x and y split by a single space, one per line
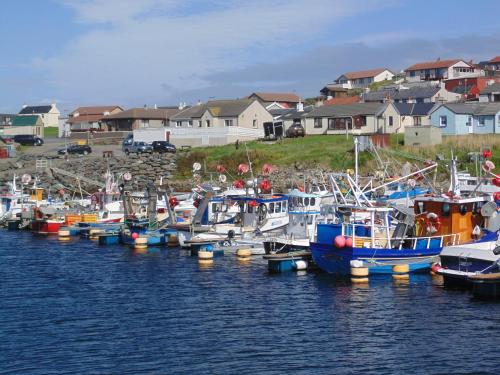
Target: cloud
137 51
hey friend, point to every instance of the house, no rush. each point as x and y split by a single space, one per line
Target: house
333 90
467 118
359 118
87 118
6 119
138 118
276 100
411 94
363 78
342 100
490 93
492 67
219 122
439 70
49 114
469 87
292 116
414 114
26 124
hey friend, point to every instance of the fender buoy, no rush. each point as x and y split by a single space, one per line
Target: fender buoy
433 223
339 241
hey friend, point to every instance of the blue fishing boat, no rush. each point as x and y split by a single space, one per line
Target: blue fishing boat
380 238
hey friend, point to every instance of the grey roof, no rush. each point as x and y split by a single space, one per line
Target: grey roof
378 95
491 89
195 111
348 110
478 109
228 108
414 109
35 109
294 113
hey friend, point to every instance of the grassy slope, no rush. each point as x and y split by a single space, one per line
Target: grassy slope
334 152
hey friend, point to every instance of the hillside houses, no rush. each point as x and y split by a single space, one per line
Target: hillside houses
439 70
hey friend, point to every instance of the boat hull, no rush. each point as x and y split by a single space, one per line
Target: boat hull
46 226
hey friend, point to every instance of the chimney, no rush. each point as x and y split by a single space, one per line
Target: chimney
300 106
156 107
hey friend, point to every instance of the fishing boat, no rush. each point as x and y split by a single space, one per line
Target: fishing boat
380 238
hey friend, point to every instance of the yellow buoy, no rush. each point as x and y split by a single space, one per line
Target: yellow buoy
141 243
359 271
359 280
205 262
64 235
400 276
244 253
205 254
401 268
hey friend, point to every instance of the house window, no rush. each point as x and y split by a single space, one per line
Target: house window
228 122
391 121
443 121
469 121
481 121
254 123
190 123
200 123
342 123
417 120
145 123
317 122
178 124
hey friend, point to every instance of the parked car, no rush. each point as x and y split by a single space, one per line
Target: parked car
75 149
28 140
164 146
6 140
296 130
138 148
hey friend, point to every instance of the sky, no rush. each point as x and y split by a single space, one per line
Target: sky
145 52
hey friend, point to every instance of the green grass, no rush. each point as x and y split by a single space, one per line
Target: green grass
51 132
334 152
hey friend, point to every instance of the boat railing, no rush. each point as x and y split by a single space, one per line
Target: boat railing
382 237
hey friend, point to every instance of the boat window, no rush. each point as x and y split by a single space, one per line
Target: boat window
214 207
295 201
306 201
421 207
313 201
301 202
463 209
476 207
309 219
250 209
283 207
278 207
271 207
446 209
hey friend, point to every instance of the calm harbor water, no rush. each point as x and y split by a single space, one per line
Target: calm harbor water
68 308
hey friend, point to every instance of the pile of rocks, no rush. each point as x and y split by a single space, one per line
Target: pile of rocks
143 168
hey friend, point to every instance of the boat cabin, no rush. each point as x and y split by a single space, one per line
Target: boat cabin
443 216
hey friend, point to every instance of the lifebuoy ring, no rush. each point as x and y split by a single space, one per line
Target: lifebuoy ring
433 223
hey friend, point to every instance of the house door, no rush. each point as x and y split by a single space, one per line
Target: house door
470 125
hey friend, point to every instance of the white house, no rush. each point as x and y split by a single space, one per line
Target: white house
48 113
364 78
440 69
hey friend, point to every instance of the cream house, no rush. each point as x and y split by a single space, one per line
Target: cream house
48 113
219 122
359 118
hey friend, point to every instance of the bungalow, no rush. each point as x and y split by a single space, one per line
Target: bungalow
138 118
86 118
6 119
490 93
467 118
26 124
49 114
272 100
359 118
493 65
414 114
411 94
219 122
439 70
364 78
333 90
469 87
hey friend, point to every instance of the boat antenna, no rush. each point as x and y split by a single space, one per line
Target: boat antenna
251 169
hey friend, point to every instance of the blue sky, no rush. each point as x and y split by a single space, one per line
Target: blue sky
136 52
